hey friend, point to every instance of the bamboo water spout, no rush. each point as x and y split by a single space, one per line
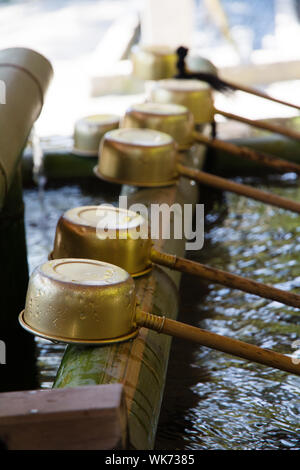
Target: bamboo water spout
111 292
26 75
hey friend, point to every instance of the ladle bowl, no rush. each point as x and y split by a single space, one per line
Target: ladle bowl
173 119
138 157
80 301
104 233
153 62
89 131
195 95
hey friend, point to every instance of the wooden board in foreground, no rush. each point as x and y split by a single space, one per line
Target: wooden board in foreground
92 417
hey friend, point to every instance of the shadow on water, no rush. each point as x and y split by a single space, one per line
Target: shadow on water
182 374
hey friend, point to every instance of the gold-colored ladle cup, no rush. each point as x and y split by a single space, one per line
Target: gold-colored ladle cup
197 96
88 132
148 158
177 121
121 237
88 302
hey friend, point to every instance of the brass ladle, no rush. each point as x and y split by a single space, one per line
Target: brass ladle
121 237
88 302
146 157
197 96
177 121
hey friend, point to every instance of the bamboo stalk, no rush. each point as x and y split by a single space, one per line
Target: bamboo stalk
225 278
261 125
249 154
220 343
242 189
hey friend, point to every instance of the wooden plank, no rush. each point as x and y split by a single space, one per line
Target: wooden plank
83 418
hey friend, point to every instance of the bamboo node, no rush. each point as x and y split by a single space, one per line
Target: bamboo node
148 320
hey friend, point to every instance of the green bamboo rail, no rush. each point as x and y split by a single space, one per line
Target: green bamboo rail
59 164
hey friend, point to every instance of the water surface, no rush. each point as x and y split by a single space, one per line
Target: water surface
216 401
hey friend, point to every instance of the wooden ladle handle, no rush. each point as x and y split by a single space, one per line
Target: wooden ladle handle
222 183
246 153
218 342
225 278
275 128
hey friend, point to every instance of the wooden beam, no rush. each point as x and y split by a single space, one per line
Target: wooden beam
79 418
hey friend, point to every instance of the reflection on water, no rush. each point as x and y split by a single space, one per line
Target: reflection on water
212 400
216 401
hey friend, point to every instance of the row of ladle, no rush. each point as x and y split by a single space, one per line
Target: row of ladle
86 293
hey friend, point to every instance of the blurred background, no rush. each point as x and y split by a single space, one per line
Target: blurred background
88 43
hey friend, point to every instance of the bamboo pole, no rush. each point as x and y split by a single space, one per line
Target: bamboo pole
261 125
215 341
249 154
225 278
241 189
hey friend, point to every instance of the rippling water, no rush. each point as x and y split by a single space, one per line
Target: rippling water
212 400
216 401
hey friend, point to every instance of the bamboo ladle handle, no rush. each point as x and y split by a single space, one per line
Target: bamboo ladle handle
218 342
261 125
261 94
244 152
241 189
219 83
225 278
